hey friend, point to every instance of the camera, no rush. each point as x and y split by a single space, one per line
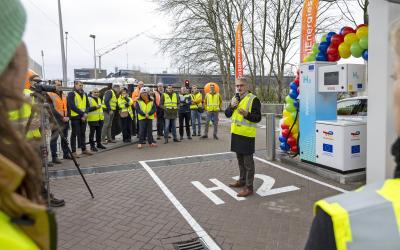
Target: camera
39 86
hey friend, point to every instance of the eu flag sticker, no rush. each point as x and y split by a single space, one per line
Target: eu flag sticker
356 149
327 148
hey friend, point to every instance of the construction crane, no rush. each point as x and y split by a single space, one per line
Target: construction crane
124 42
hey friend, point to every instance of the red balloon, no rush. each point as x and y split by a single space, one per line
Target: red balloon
297 81
332 51
298 91
285 133
284 126
333 58
291 141
336 40
347 30
294 149
361 25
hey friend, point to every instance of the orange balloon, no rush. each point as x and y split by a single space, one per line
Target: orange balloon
207 87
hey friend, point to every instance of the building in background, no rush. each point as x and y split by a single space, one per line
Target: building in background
35 66
88 73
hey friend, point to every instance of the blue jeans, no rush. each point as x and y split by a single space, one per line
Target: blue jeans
173 128
212 116
196 115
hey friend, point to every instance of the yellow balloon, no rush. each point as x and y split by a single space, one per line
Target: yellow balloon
286 113
295 135
362 32
295 129
344 50
350 38
288 120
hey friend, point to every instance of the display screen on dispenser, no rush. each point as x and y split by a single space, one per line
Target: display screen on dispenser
331 78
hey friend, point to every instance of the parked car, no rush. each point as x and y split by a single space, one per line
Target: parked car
354 108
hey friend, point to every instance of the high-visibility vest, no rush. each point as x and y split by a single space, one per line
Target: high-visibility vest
145 108
121 105
22 115
113 101
80 103
213 102
196 98
12 237
59 103
366 219
241 126
95 115
170 103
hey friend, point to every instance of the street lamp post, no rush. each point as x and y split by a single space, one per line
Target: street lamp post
66 53
64 68
94 55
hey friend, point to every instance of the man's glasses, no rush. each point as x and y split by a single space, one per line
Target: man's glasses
239 85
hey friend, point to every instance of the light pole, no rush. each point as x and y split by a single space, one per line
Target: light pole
43 71
66 53
94 55
64 68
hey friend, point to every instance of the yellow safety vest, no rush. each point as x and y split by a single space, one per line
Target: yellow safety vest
213 102
170 103
196 98
95 115
80 103
145 108
12 237
22 115
241 126
366 219
121 105
113 101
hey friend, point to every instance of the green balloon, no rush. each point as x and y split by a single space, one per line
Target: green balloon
323 38
289 100
364 42
290 107
356 50
312 57
315 49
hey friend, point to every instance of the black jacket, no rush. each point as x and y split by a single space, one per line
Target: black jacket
321 233
71 105
241 144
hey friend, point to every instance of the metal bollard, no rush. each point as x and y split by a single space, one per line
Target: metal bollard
270 138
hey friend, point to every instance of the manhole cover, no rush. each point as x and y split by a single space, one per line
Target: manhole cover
193 244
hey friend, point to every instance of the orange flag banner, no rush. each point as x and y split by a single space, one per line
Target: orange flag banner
308 26
238 52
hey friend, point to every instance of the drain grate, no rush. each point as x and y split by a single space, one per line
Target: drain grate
193 244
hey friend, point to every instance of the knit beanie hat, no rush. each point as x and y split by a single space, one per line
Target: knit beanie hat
12 26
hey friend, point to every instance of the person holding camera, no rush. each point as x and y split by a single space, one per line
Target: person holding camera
245 111
78 109
25 221
185 100
196 108
95 120
110 102
60 112
127 115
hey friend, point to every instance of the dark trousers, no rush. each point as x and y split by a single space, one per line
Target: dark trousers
247 169
54 139
184 117
146 131
95 129
134 127
126 124
78 131
160 126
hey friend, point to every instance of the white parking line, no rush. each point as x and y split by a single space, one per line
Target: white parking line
186 215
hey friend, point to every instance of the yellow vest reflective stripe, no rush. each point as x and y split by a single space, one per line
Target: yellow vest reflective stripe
198 98
80 103
241 126
213 102
22 115
366 219
170 103
145 108
121 105
113 101
96 115
12 237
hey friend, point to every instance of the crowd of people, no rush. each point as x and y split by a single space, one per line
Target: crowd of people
135 112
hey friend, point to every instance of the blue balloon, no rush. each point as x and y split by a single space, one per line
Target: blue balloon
365 55
282 139
293 86
321 57
296 104
284 146
329 36
323 47
293 94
